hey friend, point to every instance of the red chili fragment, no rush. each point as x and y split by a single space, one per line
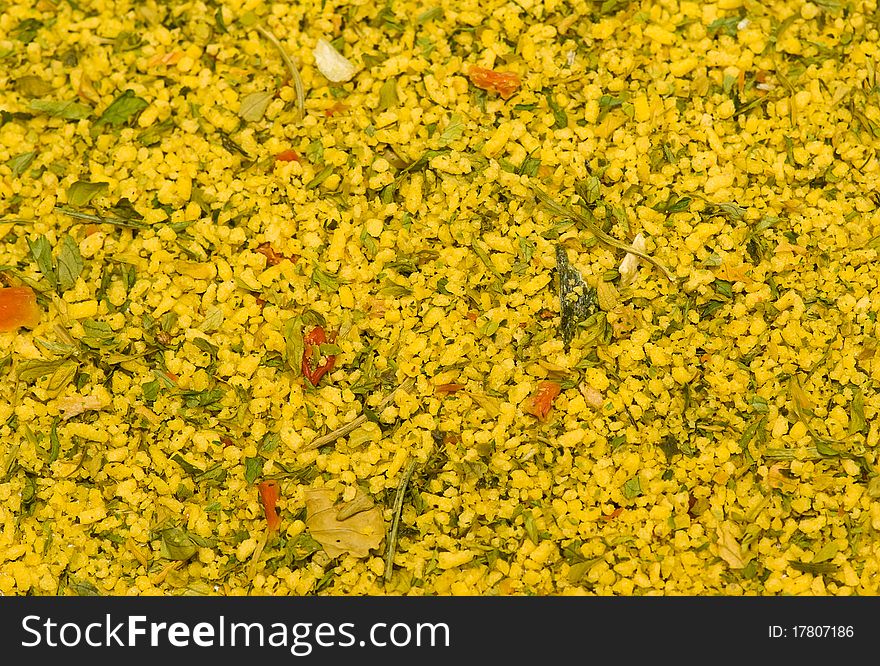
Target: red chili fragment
541 401
339 107
287 156
311 368
269 491
18 307
611 516
272 257
503 83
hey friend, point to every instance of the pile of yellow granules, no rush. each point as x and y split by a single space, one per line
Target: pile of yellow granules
186 230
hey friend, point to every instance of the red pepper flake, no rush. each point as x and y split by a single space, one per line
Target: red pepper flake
313 370
339 107
611 516
472 316
226 441
541 401
269 491
503 83
165 59
446 389
272 257
174 378
691 503
287 156
18 307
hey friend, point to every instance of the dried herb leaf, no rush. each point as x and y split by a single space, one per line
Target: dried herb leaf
177 544
826 552
83 588
360 502
54 442
729 209
490 404
632 488
453 130
315 151
20 163
33 369
68 110
729 548
61 378
82 192
294 344
823 568
121 110
26 30
724 26
188 467
326 281
213 320
151 391
153 134
559 115
388 95
32 86
97 334
253 468
253 106
41 251
530 527
857 422
320 177
429 15
577 571
356 535
392 289
70 263
577 299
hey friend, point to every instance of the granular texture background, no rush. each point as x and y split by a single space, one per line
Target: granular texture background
221 279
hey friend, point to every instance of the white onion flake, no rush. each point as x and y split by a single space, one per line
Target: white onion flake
331 63
74 405
629 267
